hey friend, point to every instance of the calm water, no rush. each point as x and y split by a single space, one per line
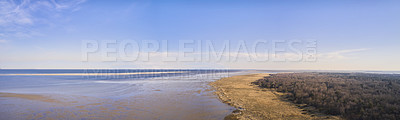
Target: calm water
114 94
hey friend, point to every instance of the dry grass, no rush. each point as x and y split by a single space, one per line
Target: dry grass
253 102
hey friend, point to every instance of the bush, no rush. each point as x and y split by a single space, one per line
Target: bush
350 95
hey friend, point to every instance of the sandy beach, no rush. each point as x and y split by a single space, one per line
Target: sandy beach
253 102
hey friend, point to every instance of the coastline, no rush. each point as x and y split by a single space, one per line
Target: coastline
62 97
253 102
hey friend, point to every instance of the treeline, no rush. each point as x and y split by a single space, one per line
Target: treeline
350 95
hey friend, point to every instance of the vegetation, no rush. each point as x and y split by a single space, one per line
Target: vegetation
350 95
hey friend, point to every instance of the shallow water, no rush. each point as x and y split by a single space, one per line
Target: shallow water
165 94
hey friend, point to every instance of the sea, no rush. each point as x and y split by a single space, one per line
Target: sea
112 93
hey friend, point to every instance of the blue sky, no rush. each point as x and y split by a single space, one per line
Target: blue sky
351 34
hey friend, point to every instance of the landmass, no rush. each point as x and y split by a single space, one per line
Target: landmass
254 102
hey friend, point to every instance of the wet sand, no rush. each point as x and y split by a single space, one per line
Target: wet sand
177 98
31 97
253 102
157 105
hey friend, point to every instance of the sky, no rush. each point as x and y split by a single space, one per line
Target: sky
350 34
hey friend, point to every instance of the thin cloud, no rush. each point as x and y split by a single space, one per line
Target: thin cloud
341 54
16 17
67 4
3 41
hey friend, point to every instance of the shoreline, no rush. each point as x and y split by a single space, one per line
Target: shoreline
191 99
86 74
253 102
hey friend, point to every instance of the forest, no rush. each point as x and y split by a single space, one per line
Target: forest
349 95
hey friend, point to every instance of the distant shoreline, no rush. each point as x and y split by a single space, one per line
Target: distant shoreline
252 102
90 74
